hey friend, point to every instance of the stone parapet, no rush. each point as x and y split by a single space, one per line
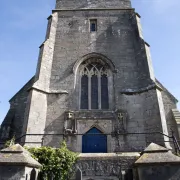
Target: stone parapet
109 166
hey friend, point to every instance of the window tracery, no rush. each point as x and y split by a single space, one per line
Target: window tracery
94 92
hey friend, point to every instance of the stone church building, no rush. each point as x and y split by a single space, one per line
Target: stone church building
94 85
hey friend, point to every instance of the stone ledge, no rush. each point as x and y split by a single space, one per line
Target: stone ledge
176 115
49 92
141 90
155 154
95 9
95 156
17 155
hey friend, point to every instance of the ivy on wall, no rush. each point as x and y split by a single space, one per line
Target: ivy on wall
55 161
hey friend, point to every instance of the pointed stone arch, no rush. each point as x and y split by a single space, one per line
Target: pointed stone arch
97 127
93 83
105 59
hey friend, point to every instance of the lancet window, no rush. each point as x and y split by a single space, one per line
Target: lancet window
94 93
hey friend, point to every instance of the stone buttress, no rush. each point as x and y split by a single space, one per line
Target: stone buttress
81 35
95 88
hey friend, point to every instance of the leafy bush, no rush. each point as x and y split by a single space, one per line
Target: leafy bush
56 161
10 142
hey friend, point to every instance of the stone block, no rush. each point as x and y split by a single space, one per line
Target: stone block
157 162
17 163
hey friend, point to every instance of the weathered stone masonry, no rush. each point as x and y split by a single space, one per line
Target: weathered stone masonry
51 102
133 90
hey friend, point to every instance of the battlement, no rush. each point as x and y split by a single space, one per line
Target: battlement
92 4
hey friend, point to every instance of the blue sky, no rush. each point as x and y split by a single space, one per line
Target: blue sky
23 26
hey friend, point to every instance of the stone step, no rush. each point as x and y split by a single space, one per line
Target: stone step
176 115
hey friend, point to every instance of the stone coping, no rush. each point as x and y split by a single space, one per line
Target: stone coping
155 154
103 156
152 148
158 158
94 9
48 92
141 90
14 149
17 155
176 115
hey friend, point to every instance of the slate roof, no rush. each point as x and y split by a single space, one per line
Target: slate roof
17 155
155 154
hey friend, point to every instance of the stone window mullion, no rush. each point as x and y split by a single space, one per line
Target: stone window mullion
105 92
80 94
89 91
99 90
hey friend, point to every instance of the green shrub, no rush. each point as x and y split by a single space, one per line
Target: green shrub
57 161
10 142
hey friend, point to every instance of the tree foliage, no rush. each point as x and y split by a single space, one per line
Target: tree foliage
56 161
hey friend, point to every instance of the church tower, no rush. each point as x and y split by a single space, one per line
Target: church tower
95 88
94 76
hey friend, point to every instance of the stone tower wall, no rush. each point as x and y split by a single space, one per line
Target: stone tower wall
119 39
83 4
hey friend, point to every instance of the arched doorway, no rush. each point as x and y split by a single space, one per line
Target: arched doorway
94 141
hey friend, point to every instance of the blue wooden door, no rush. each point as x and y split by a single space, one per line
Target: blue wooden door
94 141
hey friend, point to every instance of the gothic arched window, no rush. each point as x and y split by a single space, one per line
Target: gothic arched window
94 93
